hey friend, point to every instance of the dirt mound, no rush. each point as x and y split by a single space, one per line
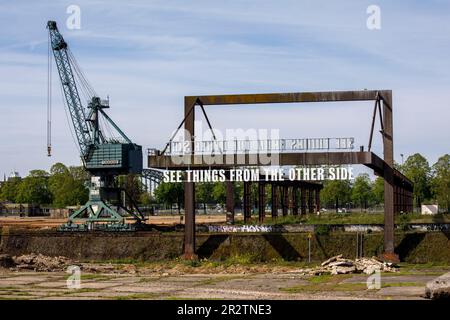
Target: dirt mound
39 262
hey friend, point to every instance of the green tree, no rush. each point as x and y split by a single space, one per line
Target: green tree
219 192
440 183
335 193
204 193
362 190
133 186
378 190
35 188
67 185
417 169
10 189
169 193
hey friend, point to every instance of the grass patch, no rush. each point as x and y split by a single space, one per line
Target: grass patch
401 284
324 287
137 296
97 277
326 282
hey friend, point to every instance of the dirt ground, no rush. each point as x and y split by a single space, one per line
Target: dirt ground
42 222
129 281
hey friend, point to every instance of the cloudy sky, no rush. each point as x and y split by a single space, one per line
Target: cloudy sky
148 55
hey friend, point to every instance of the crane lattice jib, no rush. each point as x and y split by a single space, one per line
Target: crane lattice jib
76 110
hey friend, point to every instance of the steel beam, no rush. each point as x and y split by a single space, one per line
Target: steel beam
292 97
189 187
261 201
230 202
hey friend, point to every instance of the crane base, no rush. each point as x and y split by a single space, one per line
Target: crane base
97 215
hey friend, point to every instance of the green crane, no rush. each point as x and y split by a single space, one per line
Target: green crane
104 157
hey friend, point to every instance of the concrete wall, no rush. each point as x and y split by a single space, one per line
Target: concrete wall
415 247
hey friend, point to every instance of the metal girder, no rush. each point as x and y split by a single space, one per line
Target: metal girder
292 97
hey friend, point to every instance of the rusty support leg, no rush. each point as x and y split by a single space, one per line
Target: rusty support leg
189 225
317 193
303 200
261 201
285 201
295 201
274 201
189 187
310 200
230 202
247 211
388 150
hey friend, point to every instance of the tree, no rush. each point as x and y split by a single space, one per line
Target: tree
219 192
335 193
417 169
440 183
169 193
35 188
204 193
133 186
362 190
378 190
67 185
10 189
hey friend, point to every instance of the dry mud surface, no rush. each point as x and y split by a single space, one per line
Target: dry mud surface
178 281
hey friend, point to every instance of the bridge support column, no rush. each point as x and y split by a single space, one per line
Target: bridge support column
310 200
230 202
274 201
247 210
189 220
295 201
388 151
303 200
317 193
261 201
285 201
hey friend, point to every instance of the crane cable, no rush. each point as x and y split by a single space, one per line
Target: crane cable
49 98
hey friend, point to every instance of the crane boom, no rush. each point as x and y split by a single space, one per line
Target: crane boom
76 110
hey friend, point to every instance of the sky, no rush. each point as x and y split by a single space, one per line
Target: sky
147 55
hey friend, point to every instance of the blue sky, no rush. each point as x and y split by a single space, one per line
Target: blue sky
147 55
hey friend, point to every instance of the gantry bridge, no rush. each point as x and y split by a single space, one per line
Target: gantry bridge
231 154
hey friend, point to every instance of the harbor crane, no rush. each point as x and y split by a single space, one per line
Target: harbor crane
103 155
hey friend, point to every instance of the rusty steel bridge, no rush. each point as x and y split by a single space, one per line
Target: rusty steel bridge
397 188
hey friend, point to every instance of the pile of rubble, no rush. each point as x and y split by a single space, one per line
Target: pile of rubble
340 265
39 262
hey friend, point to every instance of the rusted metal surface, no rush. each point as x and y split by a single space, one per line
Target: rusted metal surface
261 201
326 96
230 202
285 159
